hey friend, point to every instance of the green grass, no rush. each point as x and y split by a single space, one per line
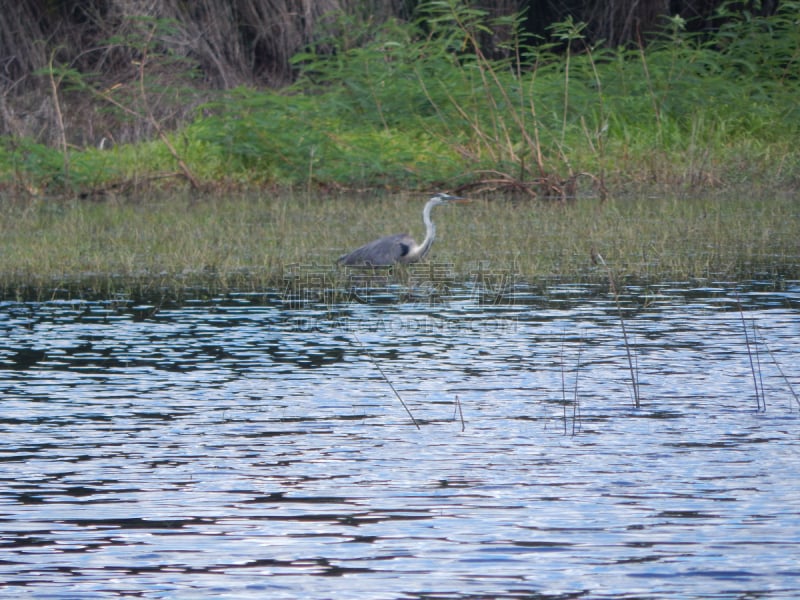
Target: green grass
187 247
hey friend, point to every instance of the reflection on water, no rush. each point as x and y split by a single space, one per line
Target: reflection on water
252 446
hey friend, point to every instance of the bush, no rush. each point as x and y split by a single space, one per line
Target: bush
421 105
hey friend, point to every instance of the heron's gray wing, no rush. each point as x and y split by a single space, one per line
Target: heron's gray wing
381 252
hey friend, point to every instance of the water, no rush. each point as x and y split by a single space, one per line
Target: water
251 446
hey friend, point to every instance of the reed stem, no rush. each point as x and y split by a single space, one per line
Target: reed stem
597 257
386 379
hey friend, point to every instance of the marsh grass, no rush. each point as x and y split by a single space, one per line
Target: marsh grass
187 245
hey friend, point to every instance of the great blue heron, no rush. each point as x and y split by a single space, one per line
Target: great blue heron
400 248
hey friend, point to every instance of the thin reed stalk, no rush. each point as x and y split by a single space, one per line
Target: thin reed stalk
758 366
460 412
386 379
780 370
760 405
575 405
632 366
563 386
564 401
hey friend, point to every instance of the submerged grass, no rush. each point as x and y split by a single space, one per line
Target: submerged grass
191 247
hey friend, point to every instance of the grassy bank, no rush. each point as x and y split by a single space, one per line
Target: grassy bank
182 248
412 106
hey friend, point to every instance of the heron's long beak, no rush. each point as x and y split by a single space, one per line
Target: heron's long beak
459 200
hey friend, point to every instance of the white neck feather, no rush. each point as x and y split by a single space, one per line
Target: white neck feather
420 251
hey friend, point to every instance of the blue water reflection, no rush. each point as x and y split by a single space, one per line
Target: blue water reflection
252 445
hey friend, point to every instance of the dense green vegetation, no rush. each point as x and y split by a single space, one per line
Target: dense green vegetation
419 105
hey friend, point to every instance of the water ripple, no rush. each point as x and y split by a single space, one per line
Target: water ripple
242 448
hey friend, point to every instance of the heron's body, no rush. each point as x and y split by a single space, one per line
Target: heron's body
401 247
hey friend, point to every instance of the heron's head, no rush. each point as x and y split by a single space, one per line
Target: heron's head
442 198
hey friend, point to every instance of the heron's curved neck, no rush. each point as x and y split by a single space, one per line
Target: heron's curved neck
430 233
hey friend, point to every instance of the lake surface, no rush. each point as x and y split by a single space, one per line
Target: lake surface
253 446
